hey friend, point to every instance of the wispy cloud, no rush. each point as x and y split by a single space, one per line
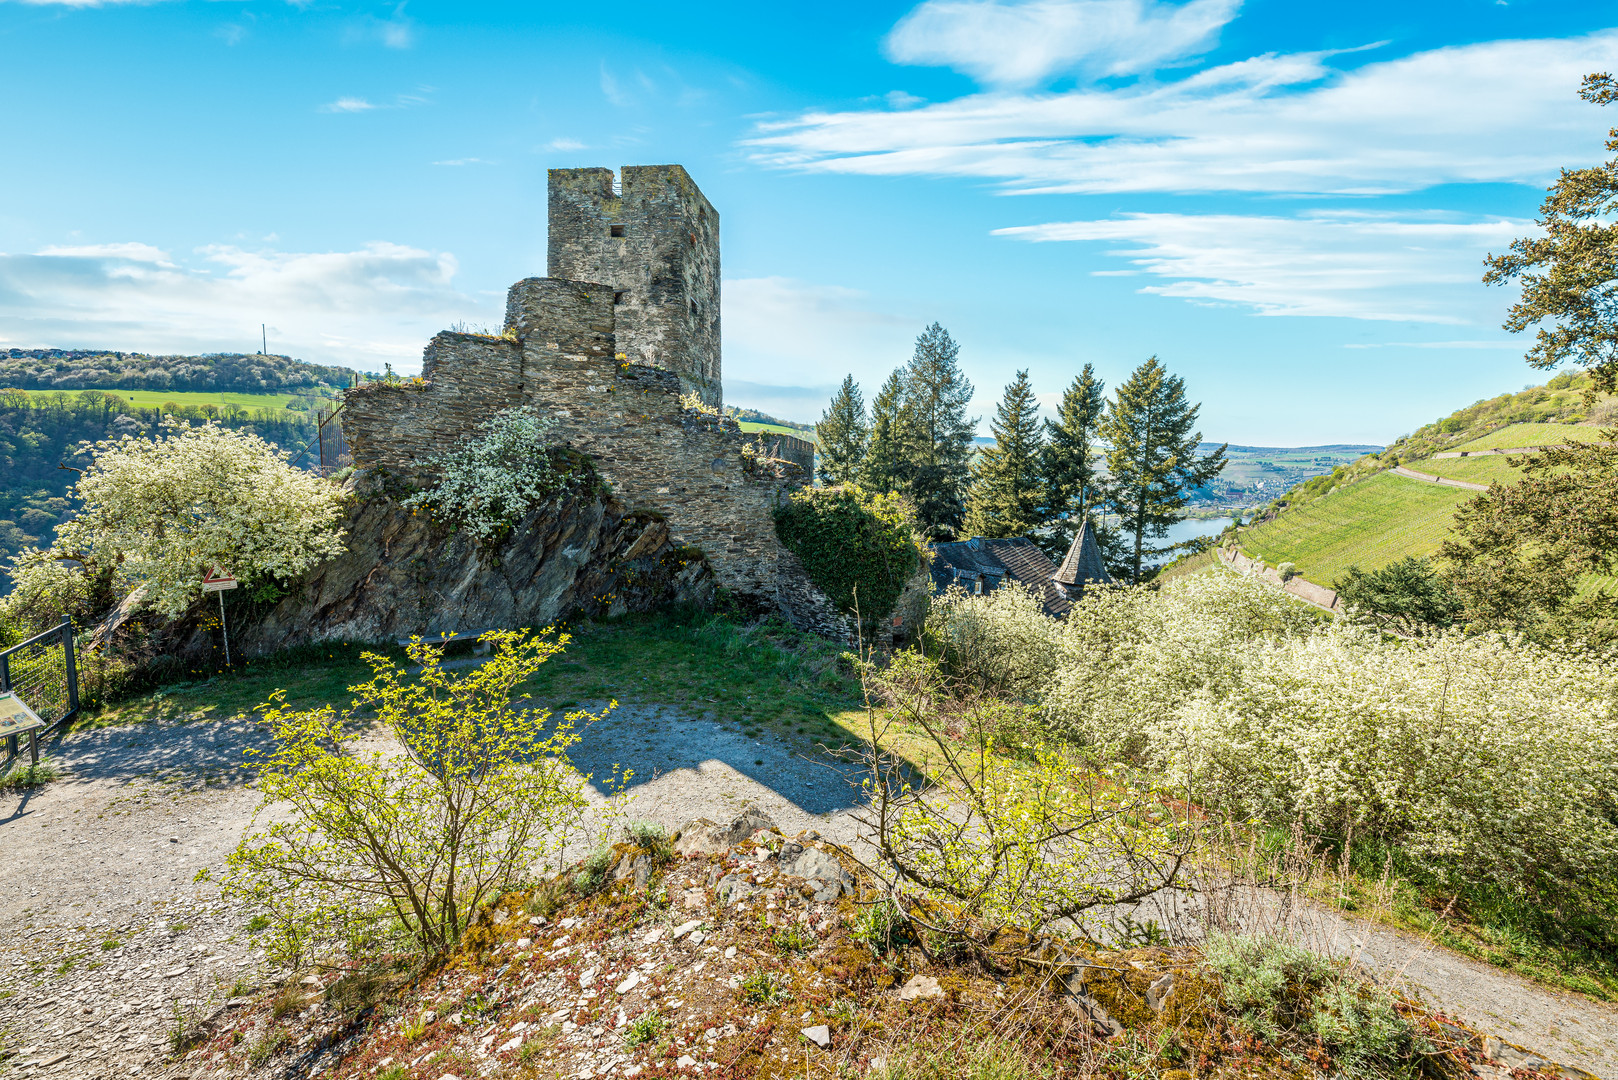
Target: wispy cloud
1003 43
347 105
396 31
1277 123
378 303
612 90
466 161
1357 266
564 144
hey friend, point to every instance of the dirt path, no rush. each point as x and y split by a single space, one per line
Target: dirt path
110 934
1445 481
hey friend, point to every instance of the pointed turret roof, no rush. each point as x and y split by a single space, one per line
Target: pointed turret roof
1082 563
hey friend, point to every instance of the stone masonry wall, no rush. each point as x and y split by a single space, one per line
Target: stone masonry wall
686 466
656 243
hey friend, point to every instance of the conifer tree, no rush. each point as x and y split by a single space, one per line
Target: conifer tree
1072 483
1153 457
938 436
842 434
883 469
1006 490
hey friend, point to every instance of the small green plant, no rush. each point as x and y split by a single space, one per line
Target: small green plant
592 873
546 898
878 927
763 987
286 1002
110 944
1145 935
393 1072
30 776
793 938
266 1045
652 838
178 927
66 965
644 1028
258 924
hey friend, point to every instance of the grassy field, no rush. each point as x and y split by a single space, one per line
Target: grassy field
151 399
751 426
1482 470
759 678
1529 435
1368 525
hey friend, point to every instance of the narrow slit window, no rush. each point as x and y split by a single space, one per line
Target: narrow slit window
618 297
616 230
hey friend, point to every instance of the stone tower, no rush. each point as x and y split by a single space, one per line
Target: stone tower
655 241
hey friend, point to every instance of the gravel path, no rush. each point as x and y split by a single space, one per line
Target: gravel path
110 934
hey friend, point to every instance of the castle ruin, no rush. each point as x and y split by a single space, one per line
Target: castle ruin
626 325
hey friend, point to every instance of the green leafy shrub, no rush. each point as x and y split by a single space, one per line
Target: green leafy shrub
857 547
359 855
1289 995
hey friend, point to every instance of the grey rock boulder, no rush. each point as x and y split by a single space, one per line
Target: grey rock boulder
703 837
820 869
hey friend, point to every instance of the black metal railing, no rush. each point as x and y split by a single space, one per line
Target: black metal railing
43 671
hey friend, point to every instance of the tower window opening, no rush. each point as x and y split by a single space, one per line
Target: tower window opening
618 297
616 230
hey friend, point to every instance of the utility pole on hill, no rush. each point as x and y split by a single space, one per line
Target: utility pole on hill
264 340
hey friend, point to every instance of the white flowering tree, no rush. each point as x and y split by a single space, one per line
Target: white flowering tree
491 483
162 512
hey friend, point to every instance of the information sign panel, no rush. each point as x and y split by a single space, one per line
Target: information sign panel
217 581
15 717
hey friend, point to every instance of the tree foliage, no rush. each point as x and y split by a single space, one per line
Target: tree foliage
842 435
401 846
1073 487
162 512
1006 492
1154 458
1408 596
1518 551
1569 275
858 547
937 433
886 467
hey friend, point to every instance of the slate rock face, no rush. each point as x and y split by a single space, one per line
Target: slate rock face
402 575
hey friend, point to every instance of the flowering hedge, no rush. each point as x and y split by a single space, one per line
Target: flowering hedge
1486 759
164 511
491 483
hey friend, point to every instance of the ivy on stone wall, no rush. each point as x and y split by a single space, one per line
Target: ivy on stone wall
853 541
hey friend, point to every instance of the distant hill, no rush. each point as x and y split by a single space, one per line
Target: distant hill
764 419
80 369
1363 514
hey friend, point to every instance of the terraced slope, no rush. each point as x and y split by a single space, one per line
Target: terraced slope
1368 524
1514 435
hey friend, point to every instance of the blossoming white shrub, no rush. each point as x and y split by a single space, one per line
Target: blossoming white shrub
491 483
1000 641
166 510
1485 759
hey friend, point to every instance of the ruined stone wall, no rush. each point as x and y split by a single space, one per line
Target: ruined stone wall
656 243
685 466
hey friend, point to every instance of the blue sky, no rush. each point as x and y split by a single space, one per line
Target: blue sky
1288 203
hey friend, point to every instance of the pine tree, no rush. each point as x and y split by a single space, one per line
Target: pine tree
842 434
938 442
1153 457
1072 483
1006 490
884 467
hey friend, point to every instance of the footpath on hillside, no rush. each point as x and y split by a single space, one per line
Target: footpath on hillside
114 941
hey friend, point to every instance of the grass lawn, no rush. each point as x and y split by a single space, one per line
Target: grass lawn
1480 470
751 426
151 399
1528 435
761 678
1369 525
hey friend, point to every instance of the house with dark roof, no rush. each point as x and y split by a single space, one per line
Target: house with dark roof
982 564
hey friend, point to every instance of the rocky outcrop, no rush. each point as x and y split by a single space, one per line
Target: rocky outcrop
582 554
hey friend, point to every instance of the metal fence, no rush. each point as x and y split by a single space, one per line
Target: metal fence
43 672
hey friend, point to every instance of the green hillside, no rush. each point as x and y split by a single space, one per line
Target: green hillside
1368 524
156 399
1519 435
776 429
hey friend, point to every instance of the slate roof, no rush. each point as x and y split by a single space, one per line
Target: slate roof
1082 563
992 562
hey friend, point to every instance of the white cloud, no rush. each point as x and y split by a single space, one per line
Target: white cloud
348 105
79 3
360 308
1503 111
466 161
1021 43
813 334
1358 266
564 144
